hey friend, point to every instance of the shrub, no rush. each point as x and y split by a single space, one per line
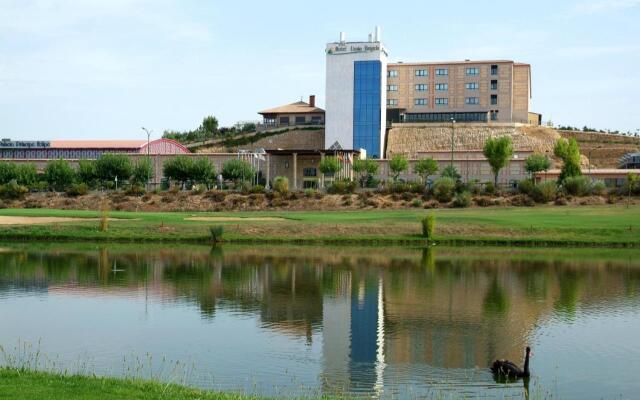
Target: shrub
77 189
544 192
309 192
569 152
397 165
26 174
216 233
489 188
59 175
135 190
256 189
109 166
443 189
202 171
197 189
366 168
451 172
577 185
342 187
526 186
178 169
142 172
428 226
281 185
599 189
7 172
416 203
12 190
237 170
462 200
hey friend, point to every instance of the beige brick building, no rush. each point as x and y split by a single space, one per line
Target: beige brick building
467 91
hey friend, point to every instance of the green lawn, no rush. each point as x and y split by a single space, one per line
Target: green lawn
550 225
28 385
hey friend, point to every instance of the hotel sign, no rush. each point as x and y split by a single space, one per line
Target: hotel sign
349 48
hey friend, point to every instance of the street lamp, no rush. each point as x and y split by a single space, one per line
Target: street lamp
453 130
148 151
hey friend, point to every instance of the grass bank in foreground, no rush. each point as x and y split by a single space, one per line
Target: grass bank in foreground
29 385
603 226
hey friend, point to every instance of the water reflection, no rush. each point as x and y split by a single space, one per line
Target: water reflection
377 322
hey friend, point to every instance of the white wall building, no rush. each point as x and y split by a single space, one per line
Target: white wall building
356 95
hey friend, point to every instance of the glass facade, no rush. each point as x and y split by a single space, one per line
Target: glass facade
367 107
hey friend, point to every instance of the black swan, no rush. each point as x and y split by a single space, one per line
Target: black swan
510 370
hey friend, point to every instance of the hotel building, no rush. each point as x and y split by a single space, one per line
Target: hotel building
356 82
465 91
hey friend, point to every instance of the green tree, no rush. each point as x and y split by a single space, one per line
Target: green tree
569 152
451 172
59 175
498 152
425 168
7 172
203 171
632 185
329 166
179 169
536 163
209 127
87 172
26 174
142 171
237 170
366 168
397 165
109 166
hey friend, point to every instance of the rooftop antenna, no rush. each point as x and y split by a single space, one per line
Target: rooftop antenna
376 36
343 37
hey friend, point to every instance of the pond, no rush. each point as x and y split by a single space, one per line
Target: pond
370 321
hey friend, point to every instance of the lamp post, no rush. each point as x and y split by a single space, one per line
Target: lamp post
453 130
148 151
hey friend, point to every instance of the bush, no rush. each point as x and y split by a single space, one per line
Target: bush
216 233
12 190
599 189
526 186
178 168
59 175
342 187
544 192
135 190
77 189
443 189
428 226
489 188
310 192
256 189
281 185
109 166
237 170
416 203
577 185
26 174
7 172
462 200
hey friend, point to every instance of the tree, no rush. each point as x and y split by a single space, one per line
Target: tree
209 126
451 172
569 152
632 185
536 163
397 165
87 172
7 172
202 171
329 166
26 174
109 166
178 169
367 168
142 171
59 175
498 152
425 168
237 170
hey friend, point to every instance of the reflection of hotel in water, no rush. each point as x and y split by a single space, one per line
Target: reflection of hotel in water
372 311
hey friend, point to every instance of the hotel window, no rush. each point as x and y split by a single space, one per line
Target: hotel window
308 172
472 100
392 73
300 120
420 102
421 87
494 70
421 72
442 71
392 88
442 86
494 99
494 115
473 71
494 84
442 101
392 102
284 120
472 86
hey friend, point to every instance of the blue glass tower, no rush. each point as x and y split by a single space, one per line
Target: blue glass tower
367 105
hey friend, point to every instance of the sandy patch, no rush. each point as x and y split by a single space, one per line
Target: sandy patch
234 219
7 220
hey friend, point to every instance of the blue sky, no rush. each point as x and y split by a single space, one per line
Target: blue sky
103 68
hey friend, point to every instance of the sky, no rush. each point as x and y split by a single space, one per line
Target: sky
102 69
